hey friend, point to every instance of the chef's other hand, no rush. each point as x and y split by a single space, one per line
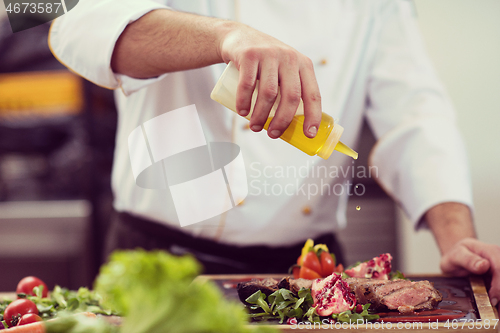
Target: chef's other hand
473 256
261 57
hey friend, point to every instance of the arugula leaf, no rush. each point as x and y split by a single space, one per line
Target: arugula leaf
258 298
38 290
305 293
311 315
357 263
58 295
295 313
299 302
284 304
349 316
73 304
397 275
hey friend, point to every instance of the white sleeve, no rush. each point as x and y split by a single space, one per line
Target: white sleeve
84 39
420 154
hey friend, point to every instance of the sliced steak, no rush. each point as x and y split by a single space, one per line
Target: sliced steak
421 295
294 285
246 289
301 283
362 288
402 295
270 285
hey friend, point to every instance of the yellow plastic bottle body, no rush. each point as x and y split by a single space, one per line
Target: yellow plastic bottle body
326 140
295 136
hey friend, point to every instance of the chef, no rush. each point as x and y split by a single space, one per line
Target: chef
350 59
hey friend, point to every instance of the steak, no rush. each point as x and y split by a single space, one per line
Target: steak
294 285
246 289
402 295
270 285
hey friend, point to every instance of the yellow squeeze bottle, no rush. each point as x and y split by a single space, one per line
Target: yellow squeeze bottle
326 140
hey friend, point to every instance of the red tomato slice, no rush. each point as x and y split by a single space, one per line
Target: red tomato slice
306 273
311 261
327 264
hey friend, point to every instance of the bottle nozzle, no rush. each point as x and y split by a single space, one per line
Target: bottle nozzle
344 149
333 143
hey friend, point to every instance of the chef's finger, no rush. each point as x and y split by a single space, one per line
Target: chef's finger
268 91
491 252
494 291
311 98
248 77
290 97
462 260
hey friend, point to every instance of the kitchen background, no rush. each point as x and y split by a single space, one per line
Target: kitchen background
55 199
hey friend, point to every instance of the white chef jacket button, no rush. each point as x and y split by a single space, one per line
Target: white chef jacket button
323 61
306 210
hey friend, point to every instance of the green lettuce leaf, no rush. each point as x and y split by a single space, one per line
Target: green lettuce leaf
156 293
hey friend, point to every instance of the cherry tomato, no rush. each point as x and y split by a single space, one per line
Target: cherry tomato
311 261
27 284
28 319
339 269
306 273
17 309
299 260
327 264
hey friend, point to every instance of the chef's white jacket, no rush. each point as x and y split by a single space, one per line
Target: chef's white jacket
369 62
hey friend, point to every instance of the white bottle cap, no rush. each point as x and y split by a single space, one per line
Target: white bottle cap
224 91
331 141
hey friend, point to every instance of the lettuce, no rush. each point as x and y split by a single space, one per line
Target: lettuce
155 293
70 323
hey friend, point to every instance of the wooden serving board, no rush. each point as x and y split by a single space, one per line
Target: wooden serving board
11 296
474 322
466 308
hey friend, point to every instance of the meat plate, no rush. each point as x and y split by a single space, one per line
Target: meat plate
465 307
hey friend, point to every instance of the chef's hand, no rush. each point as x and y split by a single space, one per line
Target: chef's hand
461 253
165 41
473 256
261 57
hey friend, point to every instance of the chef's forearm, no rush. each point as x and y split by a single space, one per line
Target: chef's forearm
450 222
164 41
